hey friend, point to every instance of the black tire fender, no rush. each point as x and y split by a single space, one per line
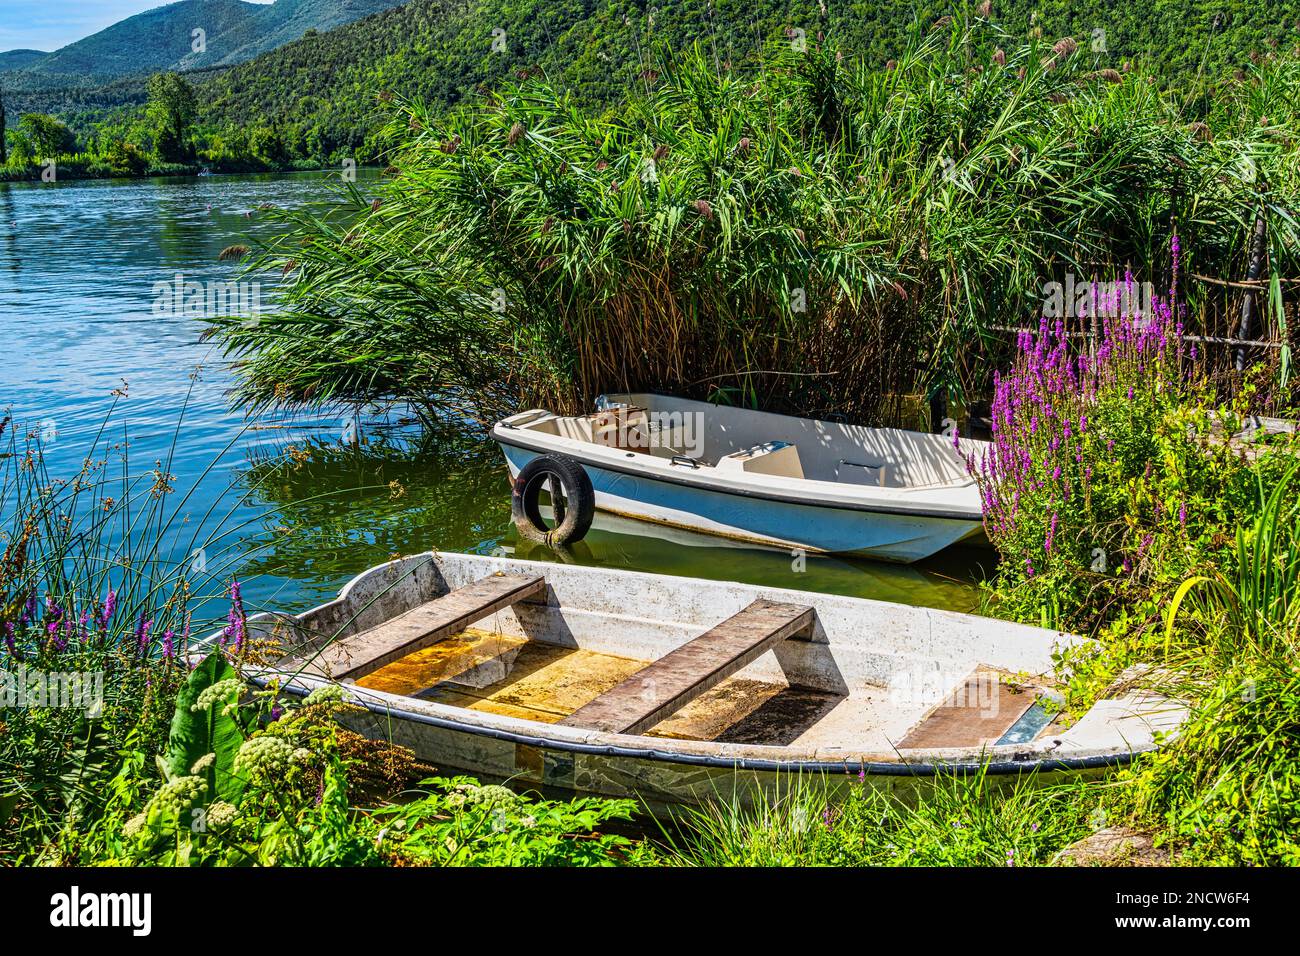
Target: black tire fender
526 492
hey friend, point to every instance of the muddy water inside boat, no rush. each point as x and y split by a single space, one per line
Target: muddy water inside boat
532 680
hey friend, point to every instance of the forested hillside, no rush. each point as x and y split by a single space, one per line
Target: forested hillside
17 59
279 23
323 87
186 35
318 98
152 40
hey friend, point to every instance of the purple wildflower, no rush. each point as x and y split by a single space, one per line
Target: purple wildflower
29 610
142 633
234 629
110 605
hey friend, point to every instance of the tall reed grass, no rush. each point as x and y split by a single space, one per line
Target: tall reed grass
814 235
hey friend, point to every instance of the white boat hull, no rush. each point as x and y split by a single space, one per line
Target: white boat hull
795 483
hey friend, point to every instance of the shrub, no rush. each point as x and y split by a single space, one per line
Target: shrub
460 822
1226 791
1112 474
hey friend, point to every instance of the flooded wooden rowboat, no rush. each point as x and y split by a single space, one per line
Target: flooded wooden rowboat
675 689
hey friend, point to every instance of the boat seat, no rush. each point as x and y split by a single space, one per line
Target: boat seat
778 458
976 713
621 426
670 683
863 473
351 658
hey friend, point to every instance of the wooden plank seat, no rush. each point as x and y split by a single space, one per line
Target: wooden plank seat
977 713
354 657
670 683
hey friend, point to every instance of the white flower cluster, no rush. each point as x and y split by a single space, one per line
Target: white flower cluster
263 759
215 693
178 795
330 694
489 795
221 815
202 764
172 800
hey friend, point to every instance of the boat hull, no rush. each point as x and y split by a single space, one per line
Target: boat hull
825 529
665 778
877 659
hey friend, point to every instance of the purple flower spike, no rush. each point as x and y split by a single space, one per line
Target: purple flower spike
142 634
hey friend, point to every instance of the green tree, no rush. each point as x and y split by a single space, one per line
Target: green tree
267 144
4 156
170 112
125 159
46 135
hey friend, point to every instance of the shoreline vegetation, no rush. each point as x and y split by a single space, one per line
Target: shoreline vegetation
78 168
817 237
316 97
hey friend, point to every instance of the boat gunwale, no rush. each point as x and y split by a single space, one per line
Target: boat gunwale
733 486
962 761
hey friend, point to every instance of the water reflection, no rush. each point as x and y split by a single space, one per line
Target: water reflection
338 509
341 509
946 581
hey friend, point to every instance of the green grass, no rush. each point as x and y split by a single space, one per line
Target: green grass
950 820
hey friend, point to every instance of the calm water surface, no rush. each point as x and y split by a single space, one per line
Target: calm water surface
285 503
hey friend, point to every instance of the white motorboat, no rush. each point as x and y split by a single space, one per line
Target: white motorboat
755 476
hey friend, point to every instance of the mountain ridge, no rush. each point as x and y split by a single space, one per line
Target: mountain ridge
183 35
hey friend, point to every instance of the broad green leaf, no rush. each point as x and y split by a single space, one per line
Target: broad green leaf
209 730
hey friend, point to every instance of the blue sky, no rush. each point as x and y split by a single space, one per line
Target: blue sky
50 24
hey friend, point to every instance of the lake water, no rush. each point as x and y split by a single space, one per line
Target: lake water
286 503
